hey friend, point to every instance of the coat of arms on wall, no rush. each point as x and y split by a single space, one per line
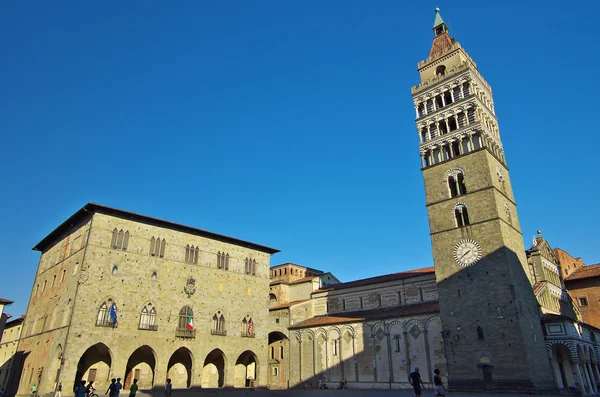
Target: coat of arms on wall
190 287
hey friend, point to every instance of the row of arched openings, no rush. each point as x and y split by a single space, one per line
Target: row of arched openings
120 239
95 364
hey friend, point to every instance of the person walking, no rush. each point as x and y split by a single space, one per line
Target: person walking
118 387
168 388
438 386
133 388
111 391
58 390
80 389
33 390
415 380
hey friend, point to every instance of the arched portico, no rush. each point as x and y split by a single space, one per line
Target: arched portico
180 368
95 365
246 370
213 372
140 365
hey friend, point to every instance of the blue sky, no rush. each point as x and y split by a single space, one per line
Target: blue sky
289 124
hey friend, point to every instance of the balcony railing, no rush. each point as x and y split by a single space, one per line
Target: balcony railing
148 327
104 323
218 332
247 334
185 333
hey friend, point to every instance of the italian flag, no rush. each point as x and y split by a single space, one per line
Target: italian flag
190 323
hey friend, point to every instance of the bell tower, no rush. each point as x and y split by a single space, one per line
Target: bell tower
492 329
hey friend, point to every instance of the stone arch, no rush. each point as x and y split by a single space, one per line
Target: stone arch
350 329
213 371
141 365
391 324
413 321
97 362
429 320
572 349
374 326
246 370
180 367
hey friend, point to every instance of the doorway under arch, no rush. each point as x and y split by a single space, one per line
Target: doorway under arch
95 365
140 366
245 370
279 347
179 369
213 372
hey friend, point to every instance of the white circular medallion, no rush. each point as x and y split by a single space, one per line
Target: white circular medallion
467 252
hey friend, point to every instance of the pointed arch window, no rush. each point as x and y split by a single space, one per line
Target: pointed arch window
148 318
191 254
461 215
250 266
456 182
107 314
218 324
480 333
185 324
120 239
157 247
223 260
247 327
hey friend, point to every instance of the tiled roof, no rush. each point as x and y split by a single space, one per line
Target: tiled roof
367 315
286 305
303 279
16 321
5 301
297 281
585 272
380 279
83 213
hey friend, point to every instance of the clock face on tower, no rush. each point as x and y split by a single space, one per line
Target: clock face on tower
467 252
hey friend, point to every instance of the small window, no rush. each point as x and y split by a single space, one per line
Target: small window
154 276
344 304
583 301
64 273
461 215
335 347
361 303
281 352
115 270
397 343
276 320
480 333
191 254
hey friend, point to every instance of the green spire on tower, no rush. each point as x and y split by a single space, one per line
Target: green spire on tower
438 18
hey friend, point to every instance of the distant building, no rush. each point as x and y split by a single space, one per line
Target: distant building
568 264
8 353
584 287
3 316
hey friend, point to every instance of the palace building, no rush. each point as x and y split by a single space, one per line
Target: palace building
118 294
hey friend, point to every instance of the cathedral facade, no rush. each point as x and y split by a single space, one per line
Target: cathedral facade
118 294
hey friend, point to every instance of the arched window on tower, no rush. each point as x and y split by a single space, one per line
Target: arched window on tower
456 182
440 70
461 215
480 333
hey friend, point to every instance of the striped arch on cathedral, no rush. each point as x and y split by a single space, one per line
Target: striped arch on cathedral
350 329
374 327
429 320
321 331
413 321
570 345
333 329
308 334
388 326
297 336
